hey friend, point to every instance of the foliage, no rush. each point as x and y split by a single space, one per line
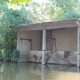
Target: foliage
15 55
63 9
15 2
18 2
37 12
9 20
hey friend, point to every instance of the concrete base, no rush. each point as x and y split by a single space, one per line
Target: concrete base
34 56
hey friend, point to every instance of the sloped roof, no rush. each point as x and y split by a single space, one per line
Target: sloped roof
49 25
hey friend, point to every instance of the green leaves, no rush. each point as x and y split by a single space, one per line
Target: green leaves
9 20
63 9
18 2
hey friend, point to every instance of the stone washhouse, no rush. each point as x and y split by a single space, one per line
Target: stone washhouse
50 42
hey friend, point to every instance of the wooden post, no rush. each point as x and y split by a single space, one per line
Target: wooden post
43 46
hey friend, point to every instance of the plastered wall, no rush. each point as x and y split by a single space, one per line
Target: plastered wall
66 39
35 36
24 45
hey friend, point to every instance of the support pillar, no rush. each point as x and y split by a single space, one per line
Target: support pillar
43 46
78 46
18 40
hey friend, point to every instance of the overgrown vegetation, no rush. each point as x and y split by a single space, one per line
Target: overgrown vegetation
9 20
12 15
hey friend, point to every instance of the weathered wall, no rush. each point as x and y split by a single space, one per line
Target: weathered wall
35 36
24 45
59 57
66 39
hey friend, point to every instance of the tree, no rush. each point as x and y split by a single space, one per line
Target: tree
63 9
18 2
37 12
15 2
10 19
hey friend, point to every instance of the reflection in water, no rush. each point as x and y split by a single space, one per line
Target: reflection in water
26 71
63 76
8 71
43 73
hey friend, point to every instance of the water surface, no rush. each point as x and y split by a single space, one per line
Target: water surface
33 71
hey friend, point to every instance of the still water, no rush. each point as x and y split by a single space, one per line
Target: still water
30 71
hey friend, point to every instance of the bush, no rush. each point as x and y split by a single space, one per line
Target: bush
15 55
